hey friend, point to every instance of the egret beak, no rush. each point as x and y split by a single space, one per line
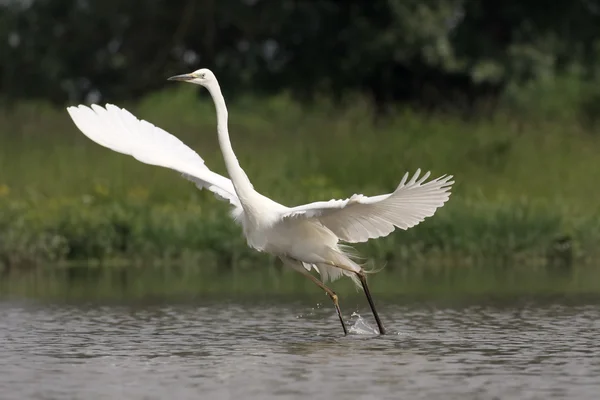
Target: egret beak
184 77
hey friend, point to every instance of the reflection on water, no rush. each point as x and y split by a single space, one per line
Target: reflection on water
185 282
128 335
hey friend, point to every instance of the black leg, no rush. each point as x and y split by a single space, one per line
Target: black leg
363 280
334 298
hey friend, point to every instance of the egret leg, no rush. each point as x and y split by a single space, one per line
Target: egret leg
331 295
298 266
363 281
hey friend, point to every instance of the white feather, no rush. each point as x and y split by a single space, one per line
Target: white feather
360 218
119 130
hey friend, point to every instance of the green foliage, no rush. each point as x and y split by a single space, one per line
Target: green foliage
522 192
94 228
432 52
107 231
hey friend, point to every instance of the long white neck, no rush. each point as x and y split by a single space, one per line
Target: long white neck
241 183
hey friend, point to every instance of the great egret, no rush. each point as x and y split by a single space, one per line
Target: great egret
304 237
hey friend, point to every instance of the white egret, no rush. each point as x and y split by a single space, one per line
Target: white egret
307 237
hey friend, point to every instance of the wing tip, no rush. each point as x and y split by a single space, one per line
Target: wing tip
71 110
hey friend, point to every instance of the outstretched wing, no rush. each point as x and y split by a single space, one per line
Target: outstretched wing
119 130
361 218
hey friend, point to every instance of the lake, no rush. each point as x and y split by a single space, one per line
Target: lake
134 344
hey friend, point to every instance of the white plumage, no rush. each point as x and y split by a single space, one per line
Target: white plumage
305 237
119 130
361 218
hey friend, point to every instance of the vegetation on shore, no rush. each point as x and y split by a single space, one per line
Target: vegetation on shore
524 192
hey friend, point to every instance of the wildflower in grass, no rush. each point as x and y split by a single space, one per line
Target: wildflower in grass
4 190
138 193
100 189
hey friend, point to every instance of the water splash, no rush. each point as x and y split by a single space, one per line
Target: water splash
361 327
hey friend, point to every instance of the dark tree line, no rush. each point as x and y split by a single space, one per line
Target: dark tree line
429 52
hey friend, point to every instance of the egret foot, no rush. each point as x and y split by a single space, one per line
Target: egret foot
295 264
334 298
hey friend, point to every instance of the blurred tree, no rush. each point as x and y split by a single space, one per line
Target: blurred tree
430 52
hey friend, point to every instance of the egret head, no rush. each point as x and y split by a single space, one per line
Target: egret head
202 77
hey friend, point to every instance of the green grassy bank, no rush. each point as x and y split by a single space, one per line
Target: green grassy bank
526 188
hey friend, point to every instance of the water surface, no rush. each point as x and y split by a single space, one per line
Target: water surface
236 348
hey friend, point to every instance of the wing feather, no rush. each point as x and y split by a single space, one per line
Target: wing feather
360 218
119 130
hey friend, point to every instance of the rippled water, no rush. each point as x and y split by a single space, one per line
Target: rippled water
245 350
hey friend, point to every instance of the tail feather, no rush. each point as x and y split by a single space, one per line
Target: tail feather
330 273
341 255
362 262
